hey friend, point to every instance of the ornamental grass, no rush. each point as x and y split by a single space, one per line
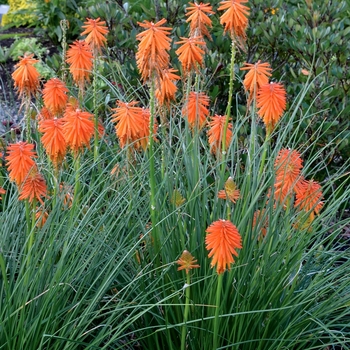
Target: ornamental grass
150 216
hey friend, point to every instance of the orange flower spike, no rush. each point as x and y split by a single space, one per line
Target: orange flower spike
152 53
309 197
215 133
130 122
26 76
235 18
96 32
34 187
230 192
79 58
78 128
44 114
257 76
167 89
288 167
198 19
222 240
271 103
196 109
41 217
53 139
144 129
190 53
54 95
187 262
19 160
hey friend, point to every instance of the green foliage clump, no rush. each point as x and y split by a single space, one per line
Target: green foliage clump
20 14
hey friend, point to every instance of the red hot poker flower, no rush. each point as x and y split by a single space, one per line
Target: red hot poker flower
79 58
199 20
222 240
216 131
167 89
271 103
230 192
96 34
196 109
26 76
19 160
54 95
187 262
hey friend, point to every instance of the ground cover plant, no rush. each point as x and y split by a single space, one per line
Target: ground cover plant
141 215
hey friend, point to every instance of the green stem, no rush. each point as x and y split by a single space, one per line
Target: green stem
217 311
187 308
31 227
152 179
77 182
228 108
263 156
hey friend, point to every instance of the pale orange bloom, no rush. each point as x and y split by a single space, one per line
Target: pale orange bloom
2 191
167 89
230 192
96 33
198 18
215 133
144 129
257 76
222 240
66 194
78 128
129 121
79 58
44 114
187 262
19 160
309 197
235 18
41 217
190 53
26 76
288 167
54 95
152 56
34 187
53 139
271 103
196 109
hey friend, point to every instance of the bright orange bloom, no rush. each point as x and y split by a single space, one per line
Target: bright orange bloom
222 240
53 139
215 133
34 187
288 167
257 76
78 128
230 192
2 191
190 53
271 102
187 262
167 89
19 160
79 57
96 33
152 53
26 77
198 18
130 122
44 114
196 109
235 18
309 197
54 95
144 129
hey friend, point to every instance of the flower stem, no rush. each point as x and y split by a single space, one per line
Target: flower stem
217 310
187 308
94 87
